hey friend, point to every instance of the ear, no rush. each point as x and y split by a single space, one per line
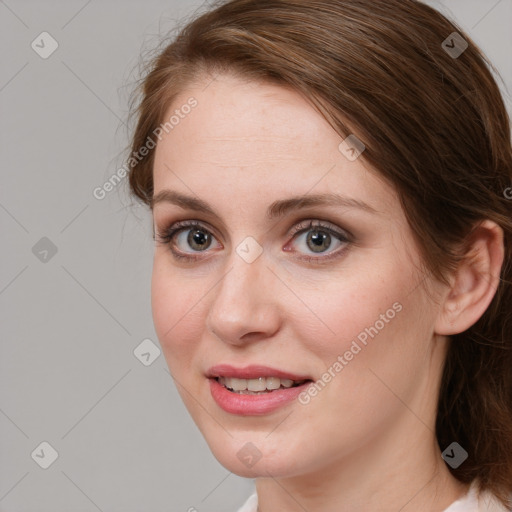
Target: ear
475 281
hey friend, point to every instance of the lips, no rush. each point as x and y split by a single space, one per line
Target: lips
253 372
255 389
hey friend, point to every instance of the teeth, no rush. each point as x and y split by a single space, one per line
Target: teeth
261 384
273 383
235 384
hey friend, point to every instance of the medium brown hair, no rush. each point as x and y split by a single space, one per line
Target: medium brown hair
434 126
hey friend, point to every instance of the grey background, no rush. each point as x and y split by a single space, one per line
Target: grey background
70 324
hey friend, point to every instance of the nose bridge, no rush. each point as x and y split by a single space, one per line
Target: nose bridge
241 303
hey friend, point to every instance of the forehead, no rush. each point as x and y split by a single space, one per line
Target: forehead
257 138
250 114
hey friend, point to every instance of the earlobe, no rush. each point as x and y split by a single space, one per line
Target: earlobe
475 281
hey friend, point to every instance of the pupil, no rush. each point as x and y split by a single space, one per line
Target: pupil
198 239
318 238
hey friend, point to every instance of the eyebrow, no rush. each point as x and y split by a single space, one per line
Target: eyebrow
278 208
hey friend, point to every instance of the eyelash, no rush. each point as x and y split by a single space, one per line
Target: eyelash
167 236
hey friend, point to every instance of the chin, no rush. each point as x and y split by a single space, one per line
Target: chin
253 459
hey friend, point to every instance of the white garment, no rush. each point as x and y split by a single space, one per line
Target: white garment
469 503
251 505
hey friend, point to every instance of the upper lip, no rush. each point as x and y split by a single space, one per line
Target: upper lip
252 371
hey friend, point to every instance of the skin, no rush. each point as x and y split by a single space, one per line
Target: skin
366 441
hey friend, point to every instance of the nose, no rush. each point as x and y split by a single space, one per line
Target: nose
245 305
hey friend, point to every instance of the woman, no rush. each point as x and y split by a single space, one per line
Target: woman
332 274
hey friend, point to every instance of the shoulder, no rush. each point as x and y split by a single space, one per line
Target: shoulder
475 501
471 502
489 503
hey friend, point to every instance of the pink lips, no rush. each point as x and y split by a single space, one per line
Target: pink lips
251 372
252 405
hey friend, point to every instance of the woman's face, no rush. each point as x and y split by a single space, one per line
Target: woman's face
341 303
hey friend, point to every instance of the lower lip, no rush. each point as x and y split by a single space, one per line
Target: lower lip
253 405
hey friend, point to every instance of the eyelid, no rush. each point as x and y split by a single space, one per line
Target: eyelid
319 223
167 235
298 226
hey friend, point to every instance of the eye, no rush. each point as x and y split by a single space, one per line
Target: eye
317 237
186 233
193 235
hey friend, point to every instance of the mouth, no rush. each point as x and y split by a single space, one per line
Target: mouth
258 385
254 390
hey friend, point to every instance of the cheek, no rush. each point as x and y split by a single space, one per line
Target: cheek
381 342
177 312
352 310
378 328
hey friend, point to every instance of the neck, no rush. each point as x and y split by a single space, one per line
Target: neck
387 476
